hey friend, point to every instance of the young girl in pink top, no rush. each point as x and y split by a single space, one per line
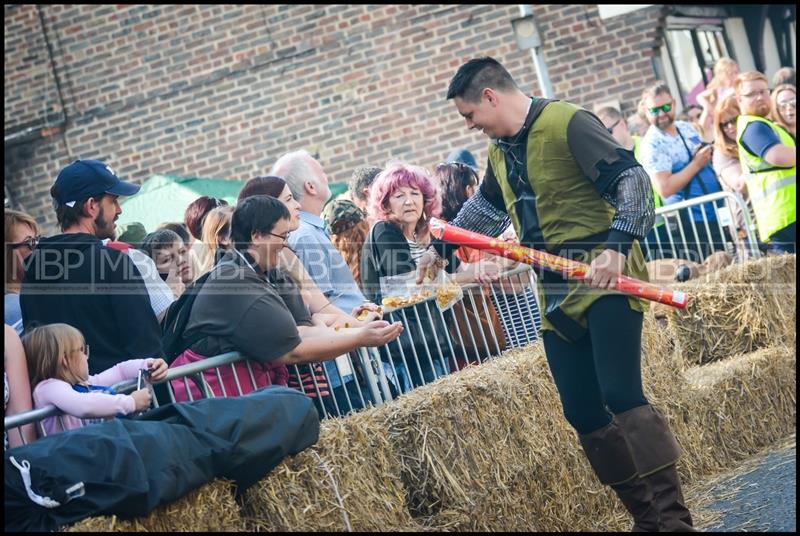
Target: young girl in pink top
58 365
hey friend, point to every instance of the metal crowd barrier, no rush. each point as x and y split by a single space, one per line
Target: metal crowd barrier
482 325
678 234
433 344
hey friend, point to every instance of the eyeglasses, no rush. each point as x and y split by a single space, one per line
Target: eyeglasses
728 123
788 104
30 242
754 94
285 237
611 128
84 349
663 108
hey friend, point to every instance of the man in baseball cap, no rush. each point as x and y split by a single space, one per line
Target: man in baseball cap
73 278
87 178
89 187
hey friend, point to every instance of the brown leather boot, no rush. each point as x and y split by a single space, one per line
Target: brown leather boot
655 452
610 457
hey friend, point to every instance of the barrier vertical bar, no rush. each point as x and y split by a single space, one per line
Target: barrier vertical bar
413 348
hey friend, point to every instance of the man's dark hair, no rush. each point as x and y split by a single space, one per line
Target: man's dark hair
363 177
68 216
477 74
178 228
255 214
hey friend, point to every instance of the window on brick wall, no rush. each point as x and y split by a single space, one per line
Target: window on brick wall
692 48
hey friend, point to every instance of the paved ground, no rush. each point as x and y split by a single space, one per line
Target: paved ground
759 496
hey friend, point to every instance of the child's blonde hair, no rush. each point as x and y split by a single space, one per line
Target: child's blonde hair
44 348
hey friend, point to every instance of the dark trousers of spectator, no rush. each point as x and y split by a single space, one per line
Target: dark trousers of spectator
784 241
600 374
349 397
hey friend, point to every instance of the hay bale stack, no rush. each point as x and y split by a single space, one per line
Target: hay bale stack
349 480
210 508
736 310
485 449
489 449
731 409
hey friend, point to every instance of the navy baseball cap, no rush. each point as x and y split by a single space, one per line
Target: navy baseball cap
86 178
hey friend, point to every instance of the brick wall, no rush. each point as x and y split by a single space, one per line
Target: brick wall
222 91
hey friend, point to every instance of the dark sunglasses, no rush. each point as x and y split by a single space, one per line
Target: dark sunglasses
664 108
30 242
611 128
729 122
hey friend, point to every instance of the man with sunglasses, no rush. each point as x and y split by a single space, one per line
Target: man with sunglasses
679 163
73 278
769 158
569 188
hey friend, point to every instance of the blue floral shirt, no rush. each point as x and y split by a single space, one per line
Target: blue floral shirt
659 152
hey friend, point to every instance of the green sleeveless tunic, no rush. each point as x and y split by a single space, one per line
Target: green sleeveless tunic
569 209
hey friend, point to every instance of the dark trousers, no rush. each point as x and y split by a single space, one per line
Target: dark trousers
784 241
599 374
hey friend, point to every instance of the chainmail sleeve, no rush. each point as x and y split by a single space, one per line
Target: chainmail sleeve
633 199
480 216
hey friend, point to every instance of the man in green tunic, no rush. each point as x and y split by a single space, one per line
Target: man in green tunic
569 188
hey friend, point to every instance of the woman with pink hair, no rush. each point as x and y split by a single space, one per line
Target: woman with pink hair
402 200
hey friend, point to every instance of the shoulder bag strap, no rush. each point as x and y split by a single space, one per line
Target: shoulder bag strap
700 182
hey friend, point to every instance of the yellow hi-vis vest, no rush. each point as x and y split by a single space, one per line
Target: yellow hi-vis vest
772 190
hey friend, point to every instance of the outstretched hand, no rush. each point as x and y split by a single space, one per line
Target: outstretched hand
380 332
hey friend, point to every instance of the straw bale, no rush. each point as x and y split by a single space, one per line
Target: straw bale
731 409
665 271
489 449
736 310
349 480
210 508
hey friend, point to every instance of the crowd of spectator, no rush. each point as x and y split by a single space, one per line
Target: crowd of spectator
287 276
738 137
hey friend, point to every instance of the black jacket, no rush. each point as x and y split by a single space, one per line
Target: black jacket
74 279
129 467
